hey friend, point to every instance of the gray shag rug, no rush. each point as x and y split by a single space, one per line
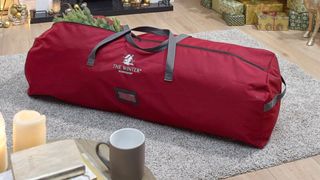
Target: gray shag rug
174 153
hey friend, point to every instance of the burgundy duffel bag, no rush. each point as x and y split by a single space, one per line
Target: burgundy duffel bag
216 88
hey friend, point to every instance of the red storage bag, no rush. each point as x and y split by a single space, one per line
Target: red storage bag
216 88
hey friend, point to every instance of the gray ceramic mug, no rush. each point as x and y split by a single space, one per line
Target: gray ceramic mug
126 154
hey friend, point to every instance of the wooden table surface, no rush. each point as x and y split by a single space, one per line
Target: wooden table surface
88 147
190 17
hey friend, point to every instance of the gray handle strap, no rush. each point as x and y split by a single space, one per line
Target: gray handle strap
169 44
113 37
276 98
129 37
171 55
153 30
161 32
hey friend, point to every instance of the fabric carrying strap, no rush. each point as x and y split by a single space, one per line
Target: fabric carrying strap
169 44
171 54
160 32
276 98
113 37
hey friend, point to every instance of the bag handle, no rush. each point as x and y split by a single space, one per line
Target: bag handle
171 54
161 32
170 44
109 39
276 98
129 37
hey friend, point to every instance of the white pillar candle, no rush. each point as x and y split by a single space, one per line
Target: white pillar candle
2 127
3 156
29 130
3 146
56 5
5 6
43 5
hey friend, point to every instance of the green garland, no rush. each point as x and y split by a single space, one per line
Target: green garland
83 16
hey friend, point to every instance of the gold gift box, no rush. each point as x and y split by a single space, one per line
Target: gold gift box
253 7
297 5
216 5
272 21
4 6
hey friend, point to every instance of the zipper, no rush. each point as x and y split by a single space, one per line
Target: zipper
212 50
69 22
183 45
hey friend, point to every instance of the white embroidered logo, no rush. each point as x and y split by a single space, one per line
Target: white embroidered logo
128 65
128 60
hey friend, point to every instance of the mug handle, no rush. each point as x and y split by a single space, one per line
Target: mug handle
105 161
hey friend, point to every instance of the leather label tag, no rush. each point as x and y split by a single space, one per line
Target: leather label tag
126 95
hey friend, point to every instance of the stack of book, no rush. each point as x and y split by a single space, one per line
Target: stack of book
58 160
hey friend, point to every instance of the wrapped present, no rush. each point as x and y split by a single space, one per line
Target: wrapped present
252 7
231 7
298 21
216 5
272 21
234 19
296 5
206 3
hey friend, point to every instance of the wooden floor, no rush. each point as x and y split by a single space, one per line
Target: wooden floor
190 17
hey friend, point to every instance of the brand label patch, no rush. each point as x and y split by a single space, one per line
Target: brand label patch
126 95
127 66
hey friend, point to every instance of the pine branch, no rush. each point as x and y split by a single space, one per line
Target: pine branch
83 16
